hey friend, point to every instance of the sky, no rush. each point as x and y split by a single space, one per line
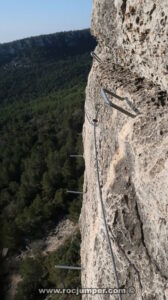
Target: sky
25 18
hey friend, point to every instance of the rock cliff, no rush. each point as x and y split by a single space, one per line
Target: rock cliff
132 152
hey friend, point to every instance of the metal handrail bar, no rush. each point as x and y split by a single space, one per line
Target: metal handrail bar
107 101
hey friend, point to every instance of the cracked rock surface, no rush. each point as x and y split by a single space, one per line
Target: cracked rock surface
132 152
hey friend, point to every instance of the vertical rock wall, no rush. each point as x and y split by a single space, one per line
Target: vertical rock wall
135 34
132 153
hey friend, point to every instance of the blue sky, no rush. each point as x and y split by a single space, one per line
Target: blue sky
24 18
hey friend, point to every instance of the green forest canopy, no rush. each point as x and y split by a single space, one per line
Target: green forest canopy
42 90
41 116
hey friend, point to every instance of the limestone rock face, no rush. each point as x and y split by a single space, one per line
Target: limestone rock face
135 34
132 152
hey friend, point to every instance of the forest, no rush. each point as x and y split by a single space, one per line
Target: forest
42 91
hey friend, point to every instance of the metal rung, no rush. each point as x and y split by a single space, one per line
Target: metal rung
94 55
113 94
74 155
107 101
68 267
74 192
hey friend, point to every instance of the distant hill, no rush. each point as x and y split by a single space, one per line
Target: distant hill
35 66
53 46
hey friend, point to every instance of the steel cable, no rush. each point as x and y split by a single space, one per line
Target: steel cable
107 101
103 212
